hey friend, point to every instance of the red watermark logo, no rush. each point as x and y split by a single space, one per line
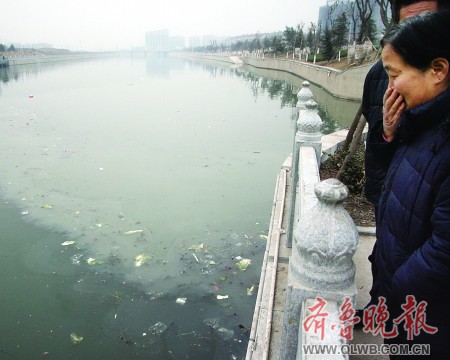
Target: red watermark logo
374 319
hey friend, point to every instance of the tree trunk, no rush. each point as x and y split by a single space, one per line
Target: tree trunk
353 146
352 129
384 6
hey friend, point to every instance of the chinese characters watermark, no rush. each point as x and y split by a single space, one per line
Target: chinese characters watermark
375 319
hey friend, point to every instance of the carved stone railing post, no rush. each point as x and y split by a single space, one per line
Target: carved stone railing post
303 96
309 128
321 264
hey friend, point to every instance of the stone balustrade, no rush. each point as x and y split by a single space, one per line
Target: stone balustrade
324 239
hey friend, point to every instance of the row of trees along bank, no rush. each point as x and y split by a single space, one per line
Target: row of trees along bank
346 22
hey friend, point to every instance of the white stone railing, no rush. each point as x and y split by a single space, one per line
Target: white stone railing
324 239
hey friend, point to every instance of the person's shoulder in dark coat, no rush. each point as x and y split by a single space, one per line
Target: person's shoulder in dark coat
375 86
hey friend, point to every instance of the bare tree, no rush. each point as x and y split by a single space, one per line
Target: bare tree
353 15
385 18
365 10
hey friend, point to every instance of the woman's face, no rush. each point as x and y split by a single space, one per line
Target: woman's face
416 86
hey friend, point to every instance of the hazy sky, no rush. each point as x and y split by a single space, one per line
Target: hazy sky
113 24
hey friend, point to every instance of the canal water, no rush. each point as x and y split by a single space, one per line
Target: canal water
135 200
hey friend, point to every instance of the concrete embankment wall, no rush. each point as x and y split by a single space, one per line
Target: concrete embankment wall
346 84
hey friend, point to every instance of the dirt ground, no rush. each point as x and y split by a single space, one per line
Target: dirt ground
361 210
344 63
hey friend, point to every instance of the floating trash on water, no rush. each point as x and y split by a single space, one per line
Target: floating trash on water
76 259
238 258
212 262
243 264
98 225
223 278
25 212
101 169
225 334
196 258
158 328
131 232
155 295
215 288
30 96
69 242
46 206
264 237
181 301
76 339
222 297
250 290
141 259
197 247
92 261
144 334
213 323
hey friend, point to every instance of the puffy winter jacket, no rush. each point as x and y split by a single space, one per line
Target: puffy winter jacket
375 86
412 253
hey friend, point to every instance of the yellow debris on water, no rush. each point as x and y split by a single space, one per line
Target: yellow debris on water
76 339
141 259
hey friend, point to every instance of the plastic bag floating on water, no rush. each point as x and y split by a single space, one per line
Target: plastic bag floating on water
76 339
76 259
131 232
225 334
141 259
181 301
69 242
158 328
92 261
243 264
200 247
213 323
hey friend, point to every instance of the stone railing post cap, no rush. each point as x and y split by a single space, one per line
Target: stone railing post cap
306 83
331 191
311 104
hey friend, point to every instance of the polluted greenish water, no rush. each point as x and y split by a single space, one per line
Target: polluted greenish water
136 196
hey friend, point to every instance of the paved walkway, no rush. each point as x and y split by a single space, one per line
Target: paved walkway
363 284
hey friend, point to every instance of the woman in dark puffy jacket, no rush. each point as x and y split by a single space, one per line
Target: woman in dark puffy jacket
412 255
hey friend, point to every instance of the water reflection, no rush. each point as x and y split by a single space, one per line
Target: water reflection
336 113
157 65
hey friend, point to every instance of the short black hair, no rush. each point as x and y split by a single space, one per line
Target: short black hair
421 39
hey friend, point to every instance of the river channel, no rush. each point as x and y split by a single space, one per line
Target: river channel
135 203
